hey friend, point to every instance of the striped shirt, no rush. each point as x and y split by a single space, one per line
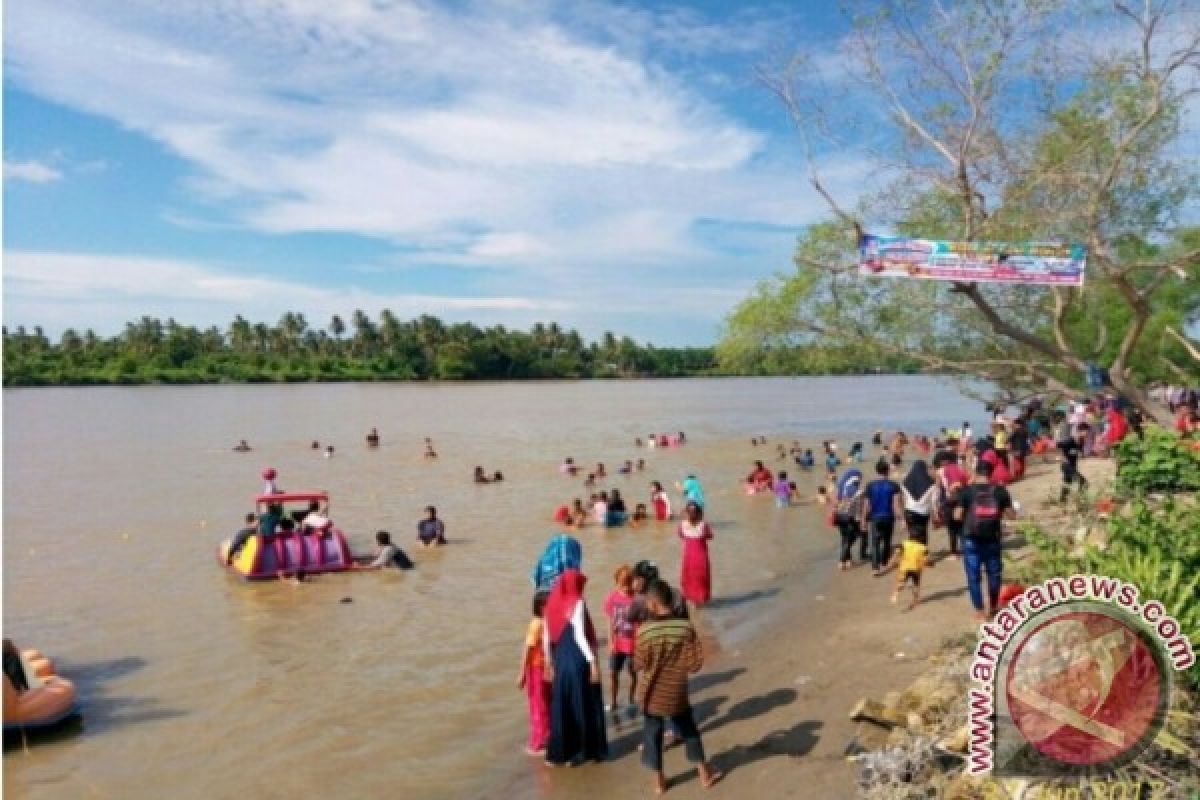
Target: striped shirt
667 650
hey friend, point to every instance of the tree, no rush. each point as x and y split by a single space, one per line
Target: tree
996 131
337 328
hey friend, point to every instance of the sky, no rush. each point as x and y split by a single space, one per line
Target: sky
605 165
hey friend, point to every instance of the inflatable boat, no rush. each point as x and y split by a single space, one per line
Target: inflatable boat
311 549
49 700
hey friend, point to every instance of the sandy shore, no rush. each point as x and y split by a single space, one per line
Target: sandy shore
774 710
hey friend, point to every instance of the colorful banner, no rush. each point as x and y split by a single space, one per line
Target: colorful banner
984 262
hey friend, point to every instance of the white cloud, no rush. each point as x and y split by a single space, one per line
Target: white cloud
58 289
30 171
499 131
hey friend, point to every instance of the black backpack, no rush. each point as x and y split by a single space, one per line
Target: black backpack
982 522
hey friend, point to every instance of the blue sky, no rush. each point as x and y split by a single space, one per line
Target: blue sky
606 165
610 166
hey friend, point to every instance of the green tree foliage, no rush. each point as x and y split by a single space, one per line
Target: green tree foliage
991 125
152 351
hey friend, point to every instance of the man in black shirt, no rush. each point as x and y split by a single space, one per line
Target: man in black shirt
1071 449
1018 448
982 509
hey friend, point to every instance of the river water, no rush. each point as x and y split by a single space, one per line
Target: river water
196 685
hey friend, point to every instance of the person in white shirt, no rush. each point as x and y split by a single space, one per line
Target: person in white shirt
919 491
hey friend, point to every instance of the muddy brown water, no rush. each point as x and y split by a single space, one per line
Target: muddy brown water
196 685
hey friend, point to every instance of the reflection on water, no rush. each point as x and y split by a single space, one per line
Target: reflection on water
196 685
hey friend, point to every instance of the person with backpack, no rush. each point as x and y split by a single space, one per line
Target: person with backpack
879 515
982 508
847 514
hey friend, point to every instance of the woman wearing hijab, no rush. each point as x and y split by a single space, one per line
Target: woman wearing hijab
696 578
693 492
572 665
920 491
561 554
847 514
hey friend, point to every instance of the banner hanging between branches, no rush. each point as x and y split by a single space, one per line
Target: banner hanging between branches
984 262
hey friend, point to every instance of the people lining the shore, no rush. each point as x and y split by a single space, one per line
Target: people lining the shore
621 635
577 730
373 438
909 560
920 493
695 573
532 678
430 453
847 516
982 507
883 504
1071 449
951 479
561 553
667 652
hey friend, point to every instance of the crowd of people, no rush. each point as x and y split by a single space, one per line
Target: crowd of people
955 480
651 638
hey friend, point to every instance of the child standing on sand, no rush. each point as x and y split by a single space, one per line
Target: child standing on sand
532 680
667 651
621 634
909 561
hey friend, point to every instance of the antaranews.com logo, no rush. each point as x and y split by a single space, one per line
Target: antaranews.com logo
1073 677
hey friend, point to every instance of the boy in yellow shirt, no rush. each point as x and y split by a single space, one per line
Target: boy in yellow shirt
909 560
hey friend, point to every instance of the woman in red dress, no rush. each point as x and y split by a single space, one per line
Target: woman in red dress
695 581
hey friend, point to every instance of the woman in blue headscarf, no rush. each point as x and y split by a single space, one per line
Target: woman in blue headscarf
847 513
562 553
693 492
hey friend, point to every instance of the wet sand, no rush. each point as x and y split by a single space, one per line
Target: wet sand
774 712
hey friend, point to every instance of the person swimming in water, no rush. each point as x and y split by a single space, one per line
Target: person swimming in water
579 515
497 476
431 531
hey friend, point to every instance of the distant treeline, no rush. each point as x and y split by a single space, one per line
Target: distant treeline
153 351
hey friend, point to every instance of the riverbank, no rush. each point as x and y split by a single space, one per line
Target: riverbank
774 711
